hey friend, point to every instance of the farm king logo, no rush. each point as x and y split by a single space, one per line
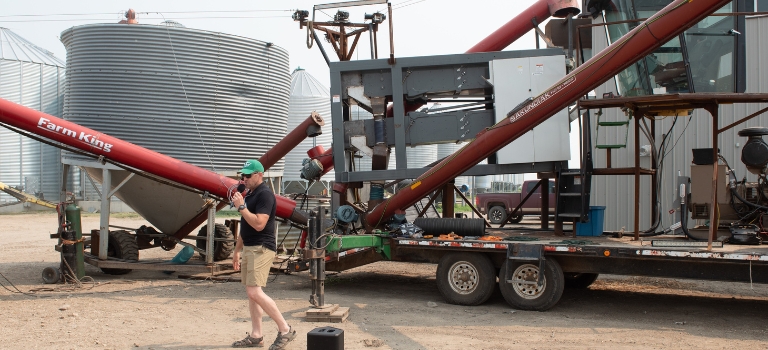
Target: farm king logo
88 139
539 100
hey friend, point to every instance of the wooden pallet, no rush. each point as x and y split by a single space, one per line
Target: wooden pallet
328 313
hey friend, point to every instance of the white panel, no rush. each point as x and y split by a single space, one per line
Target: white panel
520 78
550 139
512 84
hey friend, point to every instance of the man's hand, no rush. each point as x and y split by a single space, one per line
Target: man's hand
237 199
236 261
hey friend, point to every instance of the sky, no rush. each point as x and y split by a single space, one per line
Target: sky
421 27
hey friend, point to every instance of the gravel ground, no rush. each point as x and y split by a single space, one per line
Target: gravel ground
392 306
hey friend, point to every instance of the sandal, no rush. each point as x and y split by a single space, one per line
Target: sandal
249 342
283 339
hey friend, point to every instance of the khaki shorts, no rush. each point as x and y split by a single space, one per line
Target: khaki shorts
255 264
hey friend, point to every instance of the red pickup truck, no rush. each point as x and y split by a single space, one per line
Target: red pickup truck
498 206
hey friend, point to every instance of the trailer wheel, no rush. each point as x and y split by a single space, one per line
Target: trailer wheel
221 249
466 278
122 245
497 214
51 275
516 219
524 293
579 280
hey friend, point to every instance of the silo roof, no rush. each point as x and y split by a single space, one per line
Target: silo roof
15 48
304 84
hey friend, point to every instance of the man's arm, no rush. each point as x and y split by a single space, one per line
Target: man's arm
257 221
236 254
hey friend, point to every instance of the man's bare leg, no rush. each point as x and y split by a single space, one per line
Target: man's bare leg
257 295
256 313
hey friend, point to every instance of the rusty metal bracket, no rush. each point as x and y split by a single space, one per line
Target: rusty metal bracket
525 252
314 254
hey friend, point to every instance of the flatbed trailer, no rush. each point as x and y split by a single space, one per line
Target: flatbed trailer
468 269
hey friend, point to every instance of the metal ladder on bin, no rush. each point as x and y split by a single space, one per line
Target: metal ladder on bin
624 123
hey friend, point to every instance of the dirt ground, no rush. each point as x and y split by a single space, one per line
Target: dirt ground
392 306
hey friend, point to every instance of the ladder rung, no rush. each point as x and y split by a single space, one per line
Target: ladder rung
570 173
569 215
613 123
609 146
570 194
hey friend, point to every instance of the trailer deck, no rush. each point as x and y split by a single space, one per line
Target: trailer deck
606 254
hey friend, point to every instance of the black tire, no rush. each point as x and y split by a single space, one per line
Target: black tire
516 219
527 296
221 249
122 245
497 214
579 280
51 275
466 278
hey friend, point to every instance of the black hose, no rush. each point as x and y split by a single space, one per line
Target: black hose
684 222
461 227
758 206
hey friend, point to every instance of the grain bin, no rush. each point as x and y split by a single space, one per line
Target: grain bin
209 99
307 95
33 77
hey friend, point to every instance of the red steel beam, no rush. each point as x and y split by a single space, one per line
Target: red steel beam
129 154
641 41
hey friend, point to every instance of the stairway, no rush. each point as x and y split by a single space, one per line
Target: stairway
573 189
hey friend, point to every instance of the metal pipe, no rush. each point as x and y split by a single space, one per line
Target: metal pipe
713 209
106 184
513 30
641 41
391 34
126 153
310 127
325 157
521 24
320 46
370 38
637 174
209 247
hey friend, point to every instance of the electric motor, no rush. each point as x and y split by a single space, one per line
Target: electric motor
312 169
755 152
346 214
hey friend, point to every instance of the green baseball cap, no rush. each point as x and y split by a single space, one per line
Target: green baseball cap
252 166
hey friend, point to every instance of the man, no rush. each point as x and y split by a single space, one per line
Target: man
257 244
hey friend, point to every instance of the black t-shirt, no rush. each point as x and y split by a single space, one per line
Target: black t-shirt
260 201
